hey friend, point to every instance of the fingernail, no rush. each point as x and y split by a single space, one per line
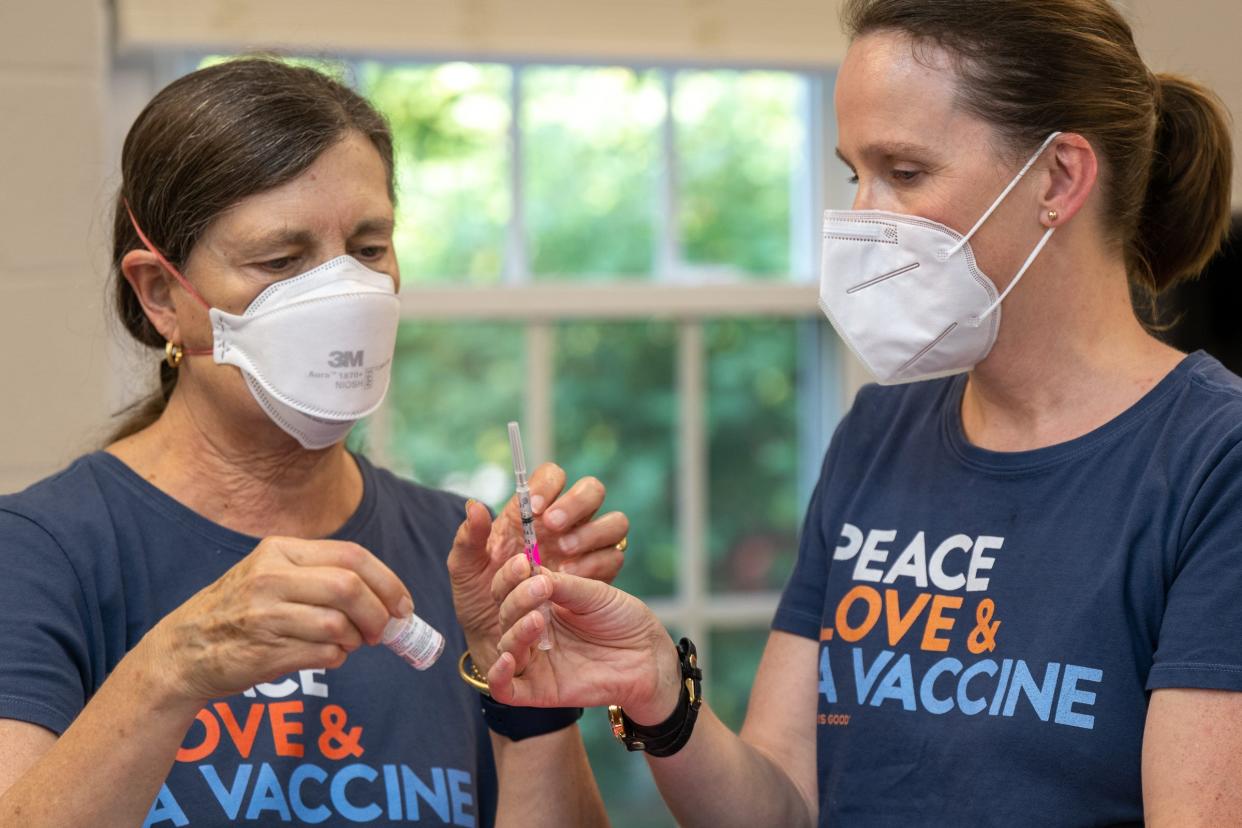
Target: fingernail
539 588
554 518
470 502
537 502
405 607
569 543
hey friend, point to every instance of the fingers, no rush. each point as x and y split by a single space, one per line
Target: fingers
601 533
469 554
342 590
576 506
521 638
319 625
326 657
525 597
501 684
557 511
515 571
374 573
546 484
578 595
473 532
600 565
304 657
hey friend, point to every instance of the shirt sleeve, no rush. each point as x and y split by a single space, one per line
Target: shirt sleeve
1200 639
801 608
43 629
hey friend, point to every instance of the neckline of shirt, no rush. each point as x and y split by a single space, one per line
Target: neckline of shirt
174 509
1021 462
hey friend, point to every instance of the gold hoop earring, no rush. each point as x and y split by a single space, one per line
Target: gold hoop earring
1053 215
173 354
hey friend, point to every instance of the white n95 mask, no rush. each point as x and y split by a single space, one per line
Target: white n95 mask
905 293
316 349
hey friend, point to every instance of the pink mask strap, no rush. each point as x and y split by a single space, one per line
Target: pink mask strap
163 261
168 266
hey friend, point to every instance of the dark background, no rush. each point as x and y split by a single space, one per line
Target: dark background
1207 312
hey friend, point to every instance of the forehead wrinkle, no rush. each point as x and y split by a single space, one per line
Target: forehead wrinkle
285 237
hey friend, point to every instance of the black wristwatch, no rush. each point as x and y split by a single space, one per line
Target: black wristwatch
670 735
515 723
518 723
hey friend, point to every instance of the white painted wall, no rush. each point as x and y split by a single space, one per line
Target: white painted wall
789 32
1200 38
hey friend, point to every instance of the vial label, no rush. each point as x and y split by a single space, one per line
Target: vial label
414 640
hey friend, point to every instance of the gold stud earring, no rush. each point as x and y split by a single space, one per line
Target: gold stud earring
173 354
1052 215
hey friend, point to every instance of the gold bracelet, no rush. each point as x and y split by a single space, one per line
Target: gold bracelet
474 678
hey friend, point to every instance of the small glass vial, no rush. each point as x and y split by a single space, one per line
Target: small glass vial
414 640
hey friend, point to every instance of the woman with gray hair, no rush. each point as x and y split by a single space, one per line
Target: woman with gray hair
183 615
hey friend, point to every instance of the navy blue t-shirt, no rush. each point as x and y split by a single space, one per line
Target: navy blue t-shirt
991 623
94 556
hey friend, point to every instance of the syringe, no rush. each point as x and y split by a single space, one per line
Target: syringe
530 544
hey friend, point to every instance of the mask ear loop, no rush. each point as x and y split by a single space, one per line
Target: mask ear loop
167 265
976 321
988 213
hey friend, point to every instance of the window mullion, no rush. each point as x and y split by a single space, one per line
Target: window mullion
818 378
517 262
538 426
692 479
668 237
537 417
806 186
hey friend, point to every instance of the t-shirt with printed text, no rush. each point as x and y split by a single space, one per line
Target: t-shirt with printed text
94 556
991 623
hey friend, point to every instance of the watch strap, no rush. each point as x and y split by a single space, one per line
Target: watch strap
518 723
672 734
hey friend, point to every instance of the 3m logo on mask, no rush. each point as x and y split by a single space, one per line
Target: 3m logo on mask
345 359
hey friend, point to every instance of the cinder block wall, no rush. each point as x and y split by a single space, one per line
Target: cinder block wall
53 339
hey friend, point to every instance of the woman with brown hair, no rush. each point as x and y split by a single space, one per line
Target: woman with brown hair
182 615
1016 597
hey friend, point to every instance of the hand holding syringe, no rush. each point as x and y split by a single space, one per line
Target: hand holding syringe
530 543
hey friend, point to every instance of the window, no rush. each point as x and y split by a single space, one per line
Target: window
624 259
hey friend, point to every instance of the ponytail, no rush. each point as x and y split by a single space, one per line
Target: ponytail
1163 141
1185 215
